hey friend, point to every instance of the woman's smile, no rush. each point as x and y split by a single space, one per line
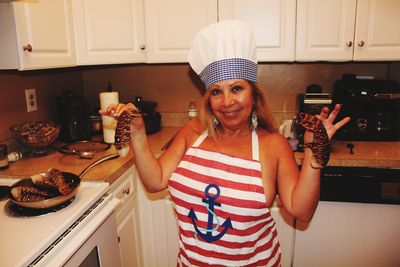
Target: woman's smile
229 114
231 102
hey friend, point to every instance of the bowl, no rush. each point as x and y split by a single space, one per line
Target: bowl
36 135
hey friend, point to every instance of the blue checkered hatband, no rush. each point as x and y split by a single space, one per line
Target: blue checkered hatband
227 69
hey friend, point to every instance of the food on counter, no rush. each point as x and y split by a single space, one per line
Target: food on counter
122 132
37 135
321 145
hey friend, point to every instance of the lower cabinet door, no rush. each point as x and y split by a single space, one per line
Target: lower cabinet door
158 228
349 234
128 235
286 231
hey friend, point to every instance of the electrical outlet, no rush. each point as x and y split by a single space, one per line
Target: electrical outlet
30 97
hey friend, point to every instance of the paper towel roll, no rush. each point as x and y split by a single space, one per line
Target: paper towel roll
107 98
109 123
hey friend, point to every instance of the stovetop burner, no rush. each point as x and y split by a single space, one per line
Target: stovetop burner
13 210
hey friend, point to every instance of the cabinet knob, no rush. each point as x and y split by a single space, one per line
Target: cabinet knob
361 43
142 47
125 191
27 47
349 44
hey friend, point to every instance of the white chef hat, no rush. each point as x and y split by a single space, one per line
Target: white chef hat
224 50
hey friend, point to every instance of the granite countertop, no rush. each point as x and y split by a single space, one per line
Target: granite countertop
366 154
107 171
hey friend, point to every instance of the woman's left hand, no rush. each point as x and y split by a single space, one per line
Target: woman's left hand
328 119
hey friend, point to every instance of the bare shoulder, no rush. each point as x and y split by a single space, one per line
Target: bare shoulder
273 144
189 133
268 138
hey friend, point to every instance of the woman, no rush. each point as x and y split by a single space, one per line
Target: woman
224 170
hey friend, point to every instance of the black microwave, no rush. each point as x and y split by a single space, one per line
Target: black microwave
372 104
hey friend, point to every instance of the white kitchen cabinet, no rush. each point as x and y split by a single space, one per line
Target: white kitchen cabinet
286 232
349 234
377 35
172 25
127 218
344 30
159 228
109 32
273 23
36 34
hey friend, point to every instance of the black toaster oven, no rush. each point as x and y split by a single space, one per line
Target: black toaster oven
372 104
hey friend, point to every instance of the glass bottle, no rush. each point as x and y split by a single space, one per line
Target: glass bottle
192 110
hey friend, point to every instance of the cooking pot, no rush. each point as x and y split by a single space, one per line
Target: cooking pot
152 118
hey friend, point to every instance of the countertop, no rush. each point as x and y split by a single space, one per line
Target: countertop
367 154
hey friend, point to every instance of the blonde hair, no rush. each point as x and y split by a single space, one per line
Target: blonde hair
264 116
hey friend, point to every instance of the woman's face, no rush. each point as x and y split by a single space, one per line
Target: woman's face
231 102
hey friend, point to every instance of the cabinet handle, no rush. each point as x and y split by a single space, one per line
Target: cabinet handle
361 43
125 191
349 44
142 47
27 47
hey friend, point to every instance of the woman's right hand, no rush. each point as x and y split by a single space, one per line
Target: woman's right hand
115 110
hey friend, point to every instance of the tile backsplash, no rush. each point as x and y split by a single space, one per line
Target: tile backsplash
170 85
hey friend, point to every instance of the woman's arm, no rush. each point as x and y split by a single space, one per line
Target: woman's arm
154 172
300 192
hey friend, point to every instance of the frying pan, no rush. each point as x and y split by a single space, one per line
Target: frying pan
72 179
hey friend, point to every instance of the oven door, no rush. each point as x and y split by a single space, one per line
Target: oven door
91 241
101 249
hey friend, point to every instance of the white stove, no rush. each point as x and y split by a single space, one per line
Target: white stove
54 239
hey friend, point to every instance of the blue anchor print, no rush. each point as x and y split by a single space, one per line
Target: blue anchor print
210 203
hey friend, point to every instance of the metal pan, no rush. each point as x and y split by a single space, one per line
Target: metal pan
84 149
72 179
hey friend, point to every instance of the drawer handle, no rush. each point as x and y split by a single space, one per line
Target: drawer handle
27 47
142 47
125 191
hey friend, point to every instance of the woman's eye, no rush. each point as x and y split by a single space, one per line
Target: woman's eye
237 89
216 91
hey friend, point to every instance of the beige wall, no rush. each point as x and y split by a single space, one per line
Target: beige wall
48 85
171 85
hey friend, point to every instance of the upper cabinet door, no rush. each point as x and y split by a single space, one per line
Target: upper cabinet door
377 35
44 33
273 23
171 26
325 30
109 32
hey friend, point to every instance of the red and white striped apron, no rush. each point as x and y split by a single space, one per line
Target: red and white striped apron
221 210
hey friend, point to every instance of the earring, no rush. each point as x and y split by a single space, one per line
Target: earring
215 121
254 121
